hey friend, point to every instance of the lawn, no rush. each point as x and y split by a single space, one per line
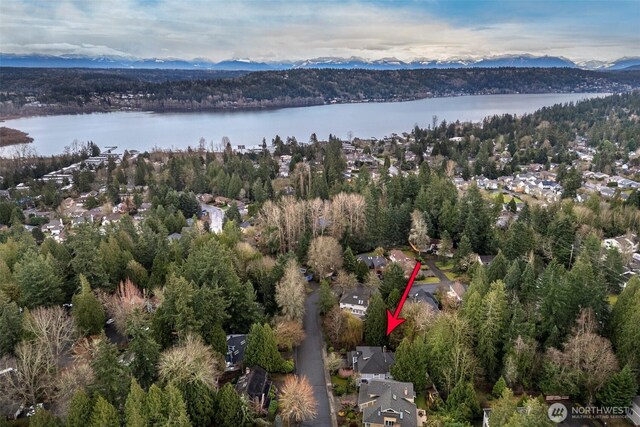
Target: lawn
336 380
451 275
508 197
446 265
421 401
429 281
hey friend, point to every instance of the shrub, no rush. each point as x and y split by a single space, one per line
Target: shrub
287 366
339 389
273 408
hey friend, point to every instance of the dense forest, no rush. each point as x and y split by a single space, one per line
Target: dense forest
59 91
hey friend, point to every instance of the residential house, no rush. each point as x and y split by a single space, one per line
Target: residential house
426 297
456 291
376 263
356 300
371 363
236 345
626 245
388 403
405 262
255 385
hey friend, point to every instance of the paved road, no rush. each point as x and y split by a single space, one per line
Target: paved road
309 360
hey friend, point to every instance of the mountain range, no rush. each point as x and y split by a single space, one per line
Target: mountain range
47 61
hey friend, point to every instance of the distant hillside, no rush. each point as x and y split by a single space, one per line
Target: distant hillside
519 61
28 91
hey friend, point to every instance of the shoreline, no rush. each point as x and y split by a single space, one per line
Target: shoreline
9 117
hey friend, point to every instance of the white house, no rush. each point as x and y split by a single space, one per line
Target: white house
356 301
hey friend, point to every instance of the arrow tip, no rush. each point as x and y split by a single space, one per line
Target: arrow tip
392 322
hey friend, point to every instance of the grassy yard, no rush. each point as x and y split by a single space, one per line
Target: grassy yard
451 275
421 401
508 197
446 265
429 281
336 380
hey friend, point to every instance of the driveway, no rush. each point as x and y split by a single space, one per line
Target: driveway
310 363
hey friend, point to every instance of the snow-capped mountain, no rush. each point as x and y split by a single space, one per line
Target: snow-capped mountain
244 64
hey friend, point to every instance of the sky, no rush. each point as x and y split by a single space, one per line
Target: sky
277 30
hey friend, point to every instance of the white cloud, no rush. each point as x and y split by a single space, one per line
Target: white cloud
275 30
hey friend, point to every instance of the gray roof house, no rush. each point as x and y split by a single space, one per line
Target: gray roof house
428 298
387 403
371 363
374 262
356 300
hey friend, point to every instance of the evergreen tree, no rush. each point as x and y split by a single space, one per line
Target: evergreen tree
326 298
262 349
201 403
625 324
79 413
135 407
232 411
393 278
492 328
104 414
87 312
499 387
514 276
411 363
10 324
44 418
375 322
350 261
498 268
462 402
145 349
620 389
110 376
155 406
175 407
39 283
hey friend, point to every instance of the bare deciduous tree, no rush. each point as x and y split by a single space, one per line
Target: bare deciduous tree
297 401
334 325
334 362
419 234
344 281
52 328
31 381
190 362
290 292
289 333
121 305
587 353
325 255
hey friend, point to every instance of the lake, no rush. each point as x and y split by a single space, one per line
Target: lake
144 131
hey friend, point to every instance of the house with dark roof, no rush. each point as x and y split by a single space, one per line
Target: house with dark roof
387 403
373 262
356 300
427 297
255 385
236 344
371 363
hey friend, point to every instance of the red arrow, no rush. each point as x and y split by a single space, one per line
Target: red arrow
393 321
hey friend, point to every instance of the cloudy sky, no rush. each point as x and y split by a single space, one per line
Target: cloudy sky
272 30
